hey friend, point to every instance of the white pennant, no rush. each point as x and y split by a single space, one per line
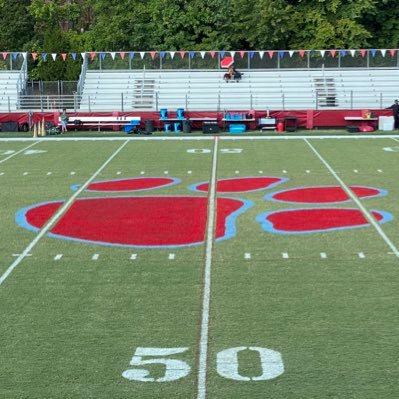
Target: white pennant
142 54
291 52
383 52
83 55
24 55
232 53
353 52
322 52
54 55
261 54
113 55
202 54
172 54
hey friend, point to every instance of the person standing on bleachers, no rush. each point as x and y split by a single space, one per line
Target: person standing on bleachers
395 112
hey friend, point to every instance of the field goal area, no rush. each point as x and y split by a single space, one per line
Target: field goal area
204 267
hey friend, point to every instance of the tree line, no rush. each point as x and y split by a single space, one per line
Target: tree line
137 25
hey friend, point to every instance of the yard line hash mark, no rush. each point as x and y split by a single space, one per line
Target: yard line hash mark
323 255
355 199
361 255
58 257
95 256
46 228
206 296
247 255
171 256
285 255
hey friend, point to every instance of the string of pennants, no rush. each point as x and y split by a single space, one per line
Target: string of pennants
191 54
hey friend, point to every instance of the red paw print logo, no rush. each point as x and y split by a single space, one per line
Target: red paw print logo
161 221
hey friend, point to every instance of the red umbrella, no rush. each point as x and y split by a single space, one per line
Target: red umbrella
227 62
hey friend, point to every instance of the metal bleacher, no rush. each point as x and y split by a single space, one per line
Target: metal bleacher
292 89
8 90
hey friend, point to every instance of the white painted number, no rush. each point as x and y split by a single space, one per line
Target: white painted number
199 151
222 150
270 360
231 150
391 149
226 362
175 369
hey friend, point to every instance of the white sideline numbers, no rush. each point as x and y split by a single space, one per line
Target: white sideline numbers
226 364
208 151
175 369
270 360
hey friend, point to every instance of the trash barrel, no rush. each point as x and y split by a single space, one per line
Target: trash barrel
149 126
186 126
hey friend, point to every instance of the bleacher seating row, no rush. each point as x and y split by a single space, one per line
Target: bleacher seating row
273 89
8 90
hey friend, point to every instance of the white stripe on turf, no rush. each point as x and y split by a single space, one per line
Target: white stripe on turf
18 152
206 300
57 215
354 198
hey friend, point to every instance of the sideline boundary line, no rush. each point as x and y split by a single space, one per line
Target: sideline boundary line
57 215
206 299
200 138
354 197
18 152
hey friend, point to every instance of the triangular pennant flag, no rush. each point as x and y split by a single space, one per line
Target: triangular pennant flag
343 53
192 54
14 56
162 54
113 54
323 53
131 55
122 55
83 55
261 54
242 53
34 55
392 52
64 55
202 54
232 53
291 53
353 52
4 53
221 54
182 54
281 54
103 55
73 55
363 52
53 56
44 56
251 54
172 54
92 55
212 53
383 52
302 53
142 54
333 52
270 54
152 54
373 52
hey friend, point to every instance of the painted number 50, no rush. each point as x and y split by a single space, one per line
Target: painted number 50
227 365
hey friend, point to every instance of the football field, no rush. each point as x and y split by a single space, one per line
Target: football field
203 268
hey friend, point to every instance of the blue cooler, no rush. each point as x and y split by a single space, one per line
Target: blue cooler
163 113
237 128
180 113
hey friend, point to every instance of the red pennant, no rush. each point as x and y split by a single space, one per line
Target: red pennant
270 54
92 55
301 53
4 55
182 54
64 55
122 55
392 52
333 52
363 52
242 53
152 53
212 53
34 55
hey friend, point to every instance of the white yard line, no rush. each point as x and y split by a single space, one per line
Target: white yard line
56 216
206 300
18 152
354 198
